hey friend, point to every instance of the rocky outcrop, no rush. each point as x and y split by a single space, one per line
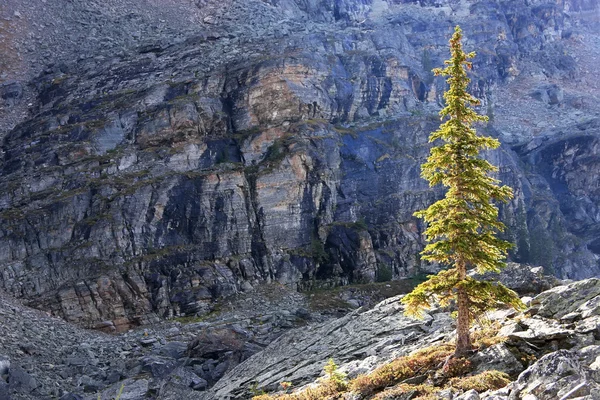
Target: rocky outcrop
146 184
550 356
358 340
572 302
556 375
268 336
523 279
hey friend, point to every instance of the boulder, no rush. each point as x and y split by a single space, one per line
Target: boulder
521 278
558 375
11 93
497 357
578 299
184 378
158 367
213 343
550 94
174 350
130 389
20 381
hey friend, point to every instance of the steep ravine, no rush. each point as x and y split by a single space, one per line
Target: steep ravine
147 183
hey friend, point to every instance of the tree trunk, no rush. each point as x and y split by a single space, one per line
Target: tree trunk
463 338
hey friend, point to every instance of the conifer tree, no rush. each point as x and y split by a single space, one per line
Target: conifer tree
462 227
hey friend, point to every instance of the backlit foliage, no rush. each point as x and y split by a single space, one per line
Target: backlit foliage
462 227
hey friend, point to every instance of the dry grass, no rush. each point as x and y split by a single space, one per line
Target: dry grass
487 335
487 380
418 363
431 369
417 391
326 390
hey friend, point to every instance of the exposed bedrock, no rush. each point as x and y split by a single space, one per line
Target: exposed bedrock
146 185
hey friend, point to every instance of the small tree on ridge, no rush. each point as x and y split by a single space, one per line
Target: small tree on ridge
462 227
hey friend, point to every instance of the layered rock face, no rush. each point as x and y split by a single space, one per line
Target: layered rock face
281 141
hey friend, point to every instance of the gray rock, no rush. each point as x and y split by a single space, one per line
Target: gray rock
147 341
158 367
190 176
20 381
497 357
554 376
157 164
174 350
89 384
11 93
299 356
541 330
71 396
5 391
523 279
446 394
186 378
470 395
132 389
4 366
589 354
550 94
582 298
555 95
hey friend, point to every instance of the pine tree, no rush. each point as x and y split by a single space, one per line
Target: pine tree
462 227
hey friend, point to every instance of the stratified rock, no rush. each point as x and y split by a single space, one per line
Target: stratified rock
497 357
359 341
558 375
578 299
523 279
165 165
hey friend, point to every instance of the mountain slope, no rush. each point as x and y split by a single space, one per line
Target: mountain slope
277 141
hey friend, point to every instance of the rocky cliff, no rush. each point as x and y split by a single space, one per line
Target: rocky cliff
274 141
